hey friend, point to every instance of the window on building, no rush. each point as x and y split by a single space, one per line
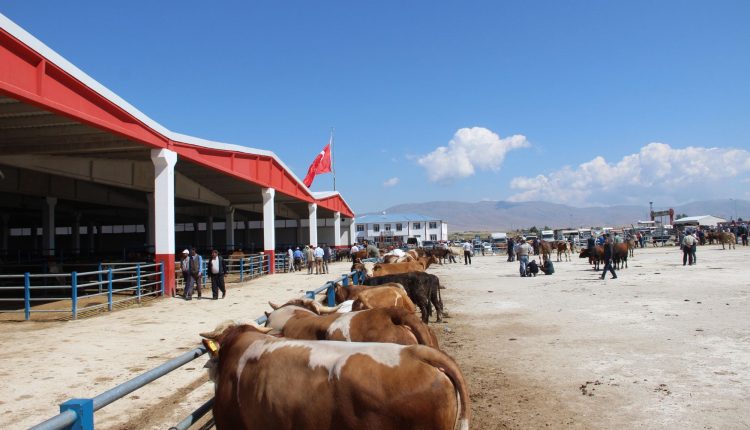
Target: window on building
387 227
399 227
433 237
360 227
433 225
417 225
376 228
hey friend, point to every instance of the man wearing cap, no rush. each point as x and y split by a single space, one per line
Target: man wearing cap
187 276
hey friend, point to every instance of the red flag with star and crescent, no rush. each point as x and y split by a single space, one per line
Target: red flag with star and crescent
321 164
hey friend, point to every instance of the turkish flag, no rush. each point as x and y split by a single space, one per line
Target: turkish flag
321 164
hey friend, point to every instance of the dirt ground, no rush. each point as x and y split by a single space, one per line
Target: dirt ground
662 346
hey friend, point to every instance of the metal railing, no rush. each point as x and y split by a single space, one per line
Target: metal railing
239 269
78 413
116 282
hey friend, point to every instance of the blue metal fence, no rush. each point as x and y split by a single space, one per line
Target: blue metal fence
79 413
130 281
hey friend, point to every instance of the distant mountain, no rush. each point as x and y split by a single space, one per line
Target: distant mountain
503 215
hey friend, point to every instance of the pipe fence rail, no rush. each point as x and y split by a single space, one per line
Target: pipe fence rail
78 413
239 269
109 285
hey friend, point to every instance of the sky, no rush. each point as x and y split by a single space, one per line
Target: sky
576 102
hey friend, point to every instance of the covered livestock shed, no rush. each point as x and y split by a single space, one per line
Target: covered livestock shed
700 220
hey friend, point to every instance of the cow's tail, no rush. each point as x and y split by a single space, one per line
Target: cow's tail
418 328
445 364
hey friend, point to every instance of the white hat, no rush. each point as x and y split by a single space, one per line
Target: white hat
185 251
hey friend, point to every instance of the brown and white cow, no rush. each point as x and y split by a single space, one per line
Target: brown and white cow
384 297
264 382
420 265
391 325
563 248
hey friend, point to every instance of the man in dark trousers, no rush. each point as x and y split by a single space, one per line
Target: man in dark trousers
590 245
217 269
511 254
609 251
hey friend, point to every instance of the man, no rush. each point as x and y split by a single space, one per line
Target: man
687 249
318 253
297 260
187 276
548 268
196 269
532 268
310 257
467 253
290 259
217 268
372 250
618 239
522 253
609 251
355 249
591 245
326 257
511 251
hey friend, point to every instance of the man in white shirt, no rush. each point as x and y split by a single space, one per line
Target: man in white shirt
467 253
290 259
217 270
318 253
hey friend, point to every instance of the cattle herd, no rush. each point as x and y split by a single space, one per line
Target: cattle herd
367 363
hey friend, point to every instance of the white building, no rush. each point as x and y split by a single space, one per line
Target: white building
394 228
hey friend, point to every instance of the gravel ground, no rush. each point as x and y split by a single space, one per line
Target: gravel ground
661 346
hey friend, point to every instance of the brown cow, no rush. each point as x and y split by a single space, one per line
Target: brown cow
264 382
724 237
545 249
383 297
351 292
620 255
563 248
390 325
594 258
420 265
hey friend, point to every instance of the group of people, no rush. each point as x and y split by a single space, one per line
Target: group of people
315 257
519 249
191 265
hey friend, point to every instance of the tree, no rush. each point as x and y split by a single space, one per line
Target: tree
534 229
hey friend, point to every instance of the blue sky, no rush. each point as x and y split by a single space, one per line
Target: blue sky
580 102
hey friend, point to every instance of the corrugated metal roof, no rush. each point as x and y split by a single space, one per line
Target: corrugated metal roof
395 217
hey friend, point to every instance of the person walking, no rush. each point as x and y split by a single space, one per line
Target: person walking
310 257
511 252
217 269
467 253
318 253
187 276
297 259
687 249
196 269
326 257
290 259
523 249
609 251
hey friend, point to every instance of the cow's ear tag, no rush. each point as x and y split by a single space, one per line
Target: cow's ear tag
212 347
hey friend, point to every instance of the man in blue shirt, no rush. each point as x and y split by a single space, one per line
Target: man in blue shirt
297 259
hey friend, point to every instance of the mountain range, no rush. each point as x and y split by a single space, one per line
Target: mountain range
504 215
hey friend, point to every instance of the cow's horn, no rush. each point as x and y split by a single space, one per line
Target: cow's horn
327 309
218 330
274 306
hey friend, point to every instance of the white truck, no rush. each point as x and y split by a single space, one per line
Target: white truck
548 235
500 240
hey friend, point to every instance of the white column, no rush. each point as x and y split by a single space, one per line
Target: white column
353 232
164 247
48 226
313 221
336 229
229 227
151 220
210 232
77 234
269 219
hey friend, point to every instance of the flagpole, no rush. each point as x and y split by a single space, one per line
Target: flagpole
333 160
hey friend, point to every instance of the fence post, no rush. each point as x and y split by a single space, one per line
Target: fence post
109 289
310 294
345 279
355 277
161 267
100 277
242 268
331 293
252 267
138 283
204 271
74 294
27 295
84 410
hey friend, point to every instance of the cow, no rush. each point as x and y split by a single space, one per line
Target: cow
620 255
365 268
264 382
545 249
563 248
297 320
413 266
440 253
595 257
352 291
458 252
342 254
724 237
423 289
383 297
631 247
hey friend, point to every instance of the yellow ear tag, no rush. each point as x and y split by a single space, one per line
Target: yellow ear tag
212 346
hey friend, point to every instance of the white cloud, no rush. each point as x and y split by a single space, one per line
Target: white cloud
391 182
657 169
470 149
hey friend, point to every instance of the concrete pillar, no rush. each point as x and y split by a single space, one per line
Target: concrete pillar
269 224
48 226
353 232
90 235
164 247
210 232
313 219
336 229
229 228
246 233
77 234
6 233
151 224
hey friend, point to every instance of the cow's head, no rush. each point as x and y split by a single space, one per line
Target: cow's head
309 304
584 253
223 334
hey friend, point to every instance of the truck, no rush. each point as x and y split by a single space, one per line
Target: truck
499 240
548 235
